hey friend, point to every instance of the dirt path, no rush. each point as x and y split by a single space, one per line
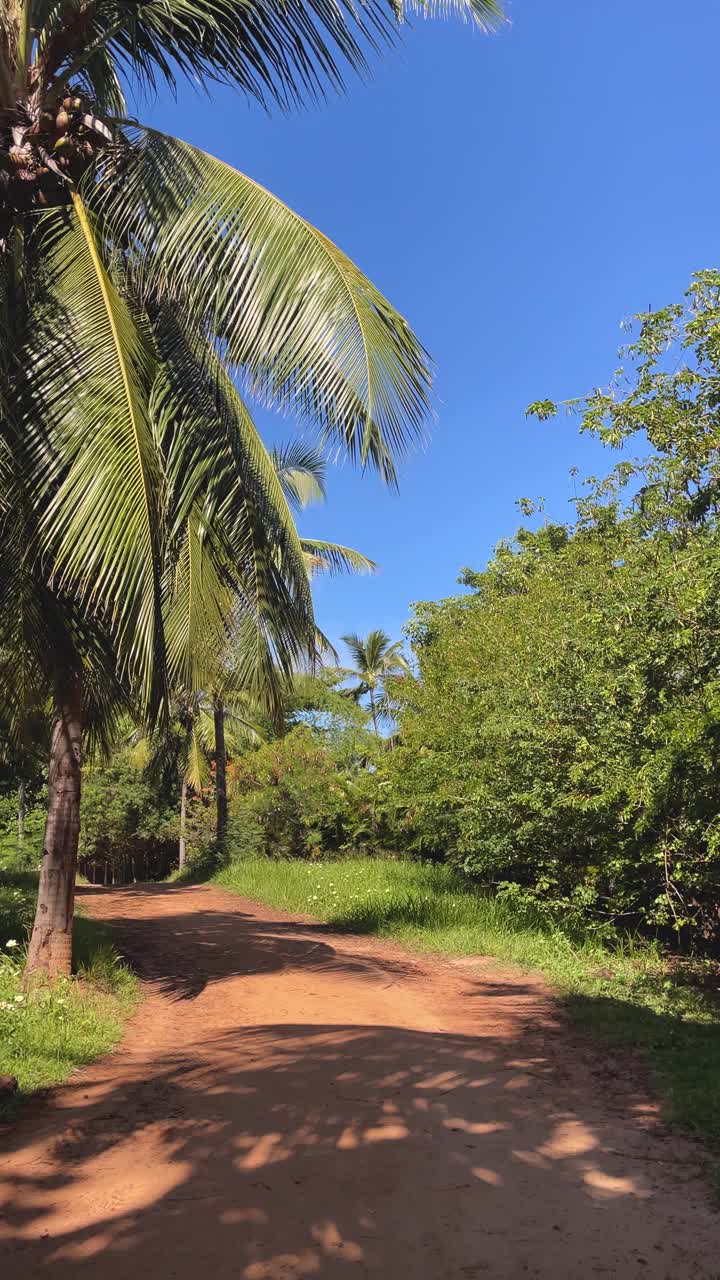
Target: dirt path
291 1103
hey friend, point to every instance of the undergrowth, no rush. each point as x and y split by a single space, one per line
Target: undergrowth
46 1033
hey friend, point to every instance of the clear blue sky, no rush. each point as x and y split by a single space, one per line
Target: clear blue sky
516 197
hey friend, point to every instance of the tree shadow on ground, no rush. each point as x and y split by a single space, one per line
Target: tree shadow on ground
289 1150
681 1052
213 945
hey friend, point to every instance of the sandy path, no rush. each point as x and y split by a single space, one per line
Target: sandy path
292 1103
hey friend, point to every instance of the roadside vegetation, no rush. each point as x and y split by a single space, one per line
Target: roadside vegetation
49 1030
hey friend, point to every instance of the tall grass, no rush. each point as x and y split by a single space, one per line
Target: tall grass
627 992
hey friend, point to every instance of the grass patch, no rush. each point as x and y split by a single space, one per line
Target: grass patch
46 1034
628 993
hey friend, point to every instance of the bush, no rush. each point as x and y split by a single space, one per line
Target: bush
127 831
291 798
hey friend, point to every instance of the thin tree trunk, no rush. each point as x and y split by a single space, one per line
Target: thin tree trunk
220 769
22 809
373 713
50 951
183 809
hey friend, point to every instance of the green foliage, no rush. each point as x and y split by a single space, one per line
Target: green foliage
17 897
291 794
303 795
126 822
49 1031
563 742
15 852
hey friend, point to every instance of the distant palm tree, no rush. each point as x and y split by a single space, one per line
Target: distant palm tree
375 657
210 650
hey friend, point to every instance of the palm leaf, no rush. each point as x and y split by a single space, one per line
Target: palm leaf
197 771
218 462
331 557
300 468
283 52
308 331
241 569
88 383
199 604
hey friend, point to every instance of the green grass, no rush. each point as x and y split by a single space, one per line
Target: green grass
628 993
49 1032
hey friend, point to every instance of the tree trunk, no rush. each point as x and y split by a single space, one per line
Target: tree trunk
22 809
220 769
50 951
373 713
183 808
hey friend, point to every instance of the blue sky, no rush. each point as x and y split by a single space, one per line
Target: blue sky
516 197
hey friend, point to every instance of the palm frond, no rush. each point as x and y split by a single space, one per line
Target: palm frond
332 557
306 329
285 53
217 460
198 609
240 578
88 384
301 469
197 771
356 646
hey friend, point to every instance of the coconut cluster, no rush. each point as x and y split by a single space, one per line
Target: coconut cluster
43 149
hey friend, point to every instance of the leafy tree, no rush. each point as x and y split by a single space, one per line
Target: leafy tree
308 794
137 276
128 828
563 741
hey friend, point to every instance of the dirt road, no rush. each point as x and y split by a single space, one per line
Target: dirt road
291 1103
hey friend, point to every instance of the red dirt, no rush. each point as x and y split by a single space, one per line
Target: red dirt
291 1103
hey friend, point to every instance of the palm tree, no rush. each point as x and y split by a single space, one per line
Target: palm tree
210 651
374 657
187 744
138 277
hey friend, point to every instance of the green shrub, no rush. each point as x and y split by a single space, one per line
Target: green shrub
291 798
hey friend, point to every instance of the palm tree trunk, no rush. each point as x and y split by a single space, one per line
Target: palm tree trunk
183 809
22 809
50 951
220 769
373 713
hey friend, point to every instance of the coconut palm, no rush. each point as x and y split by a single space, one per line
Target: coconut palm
374 658
188 743
212 653
138 277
